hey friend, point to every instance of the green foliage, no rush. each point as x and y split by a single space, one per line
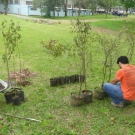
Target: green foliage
53 47
111 46
11 35
128 3
84 40
50 6
52 105
130 34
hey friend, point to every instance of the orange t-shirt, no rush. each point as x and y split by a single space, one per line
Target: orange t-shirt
126 76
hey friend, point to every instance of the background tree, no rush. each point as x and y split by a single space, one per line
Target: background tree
48 5
79 4
65 7
107 5
93 5
128 4
38 3
6 6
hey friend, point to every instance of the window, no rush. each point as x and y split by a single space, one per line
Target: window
33 8
69 6
11 2
29 3
16 2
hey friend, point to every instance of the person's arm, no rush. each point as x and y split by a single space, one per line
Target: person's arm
114 81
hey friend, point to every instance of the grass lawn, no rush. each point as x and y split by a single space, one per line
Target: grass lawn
51 105
96 16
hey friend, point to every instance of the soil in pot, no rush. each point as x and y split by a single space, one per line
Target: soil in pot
53 82
76 99
88 95
99 94
16 100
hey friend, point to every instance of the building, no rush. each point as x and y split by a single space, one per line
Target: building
25 7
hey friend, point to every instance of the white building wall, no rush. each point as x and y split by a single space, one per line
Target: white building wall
34 12
18 9
1 8
23 2
23 9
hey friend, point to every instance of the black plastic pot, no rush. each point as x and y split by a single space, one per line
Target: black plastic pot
16 100
62 80
67 79
72 79
53 82
58 81
14 92
76 78
76 99
99 94
88 95
21 95
9 96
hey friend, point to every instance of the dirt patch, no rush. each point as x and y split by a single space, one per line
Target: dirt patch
104 31
22 77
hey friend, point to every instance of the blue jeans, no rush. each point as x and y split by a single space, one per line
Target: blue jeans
115 92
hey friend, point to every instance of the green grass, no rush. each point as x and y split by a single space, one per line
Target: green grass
96 16
51 105
114 24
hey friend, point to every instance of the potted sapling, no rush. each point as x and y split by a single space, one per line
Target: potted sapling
111 47
84 40
11 37
54 49
74 76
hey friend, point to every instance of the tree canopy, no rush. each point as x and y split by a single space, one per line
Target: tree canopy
128 3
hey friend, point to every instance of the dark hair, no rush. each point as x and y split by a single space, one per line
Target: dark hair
123 60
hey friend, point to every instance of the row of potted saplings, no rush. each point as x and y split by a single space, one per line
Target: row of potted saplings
66 80
86 96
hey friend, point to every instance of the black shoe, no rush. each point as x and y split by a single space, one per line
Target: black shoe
126 102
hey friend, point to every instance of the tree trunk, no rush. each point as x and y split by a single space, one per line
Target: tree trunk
54 13
66 7
72 10
79 11
6 7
